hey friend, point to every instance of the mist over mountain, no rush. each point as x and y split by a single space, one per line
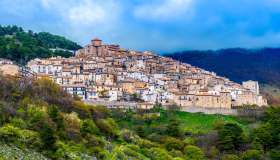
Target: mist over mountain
238 64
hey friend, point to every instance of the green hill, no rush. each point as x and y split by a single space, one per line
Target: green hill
21 46
38 119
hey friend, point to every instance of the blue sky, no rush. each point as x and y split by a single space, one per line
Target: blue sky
156 25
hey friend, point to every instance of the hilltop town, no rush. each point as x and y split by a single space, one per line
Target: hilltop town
107 73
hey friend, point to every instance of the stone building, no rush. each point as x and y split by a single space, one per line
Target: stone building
106 72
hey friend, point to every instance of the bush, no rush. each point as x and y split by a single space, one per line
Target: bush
48 138
21 137
71 151
176 153
230 157
128 152
94 141
128 135
252 155
108 126
72 125
274 154
100 153
193 153
158 154
171 143
99 112
18 122
89 127
213 152
189 141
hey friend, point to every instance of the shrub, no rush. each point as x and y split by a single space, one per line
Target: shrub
100 153
230 157
252 155
176 153
108 126
193 153
128 152
21 137
189 141
94 141
99 112
128 135
88 127
171 143
18 122
158 154
213 152
56 116
274 154
71 151
72 125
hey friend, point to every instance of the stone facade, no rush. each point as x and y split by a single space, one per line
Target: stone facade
101 72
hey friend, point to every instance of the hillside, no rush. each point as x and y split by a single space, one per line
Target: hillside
237 64
41 121
21 46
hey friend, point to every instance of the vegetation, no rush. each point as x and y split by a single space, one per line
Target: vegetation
12 152
272 93
40 121
22 46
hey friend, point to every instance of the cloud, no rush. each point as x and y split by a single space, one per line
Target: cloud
150 24
83 12
87 13
85 19
163 10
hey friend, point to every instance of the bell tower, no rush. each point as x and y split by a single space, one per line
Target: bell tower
97 43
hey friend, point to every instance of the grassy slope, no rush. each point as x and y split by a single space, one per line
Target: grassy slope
203 123
197 123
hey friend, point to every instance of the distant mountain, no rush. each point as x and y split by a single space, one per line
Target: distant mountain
21 46
237 64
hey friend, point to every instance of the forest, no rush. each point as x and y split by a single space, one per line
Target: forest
21 46
40 121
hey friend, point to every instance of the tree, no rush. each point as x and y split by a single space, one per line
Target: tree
263 136
271 118
230 137
157 108
56 117
48 138
173 128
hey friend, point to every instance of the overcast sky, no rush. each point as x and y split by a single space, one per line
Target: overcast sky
156 25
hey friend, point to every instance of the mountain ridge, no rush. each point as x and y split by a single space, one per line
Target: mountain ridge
21 46
238 64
